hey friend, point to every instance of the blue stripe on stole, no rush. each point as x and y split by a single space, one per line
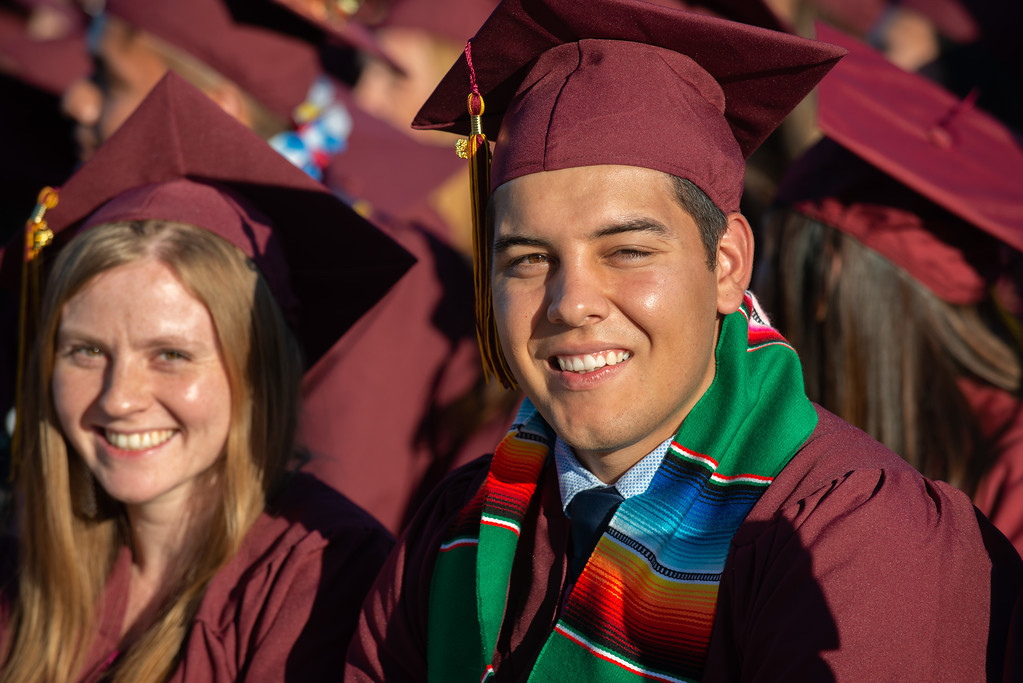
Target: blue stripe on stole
711 513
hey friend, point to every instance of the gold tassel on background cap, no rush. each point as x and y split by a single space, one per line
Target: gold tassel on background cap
37 236
477 150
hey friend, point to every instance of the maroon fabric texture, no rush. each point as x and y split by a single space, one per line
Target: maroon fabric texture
374 406
920 137
1000 493
178 134
455 20
850 567
754 12
616 107
284 608
671 119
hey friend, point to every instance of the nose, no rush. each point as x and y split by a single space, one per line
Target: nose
577 297
126 389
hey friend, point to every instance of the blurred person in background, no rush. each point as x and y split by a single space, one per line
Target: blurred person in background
882 265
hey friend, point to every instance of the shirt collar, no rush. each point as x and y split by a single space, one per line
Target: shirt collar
573 477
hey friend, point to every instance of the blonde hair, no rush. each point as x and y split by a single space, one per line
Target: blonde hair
66 553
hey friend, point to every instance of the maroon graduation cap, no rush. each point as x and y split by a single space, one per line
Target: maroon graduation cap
628 82
179 157
563 84
926 180
269 48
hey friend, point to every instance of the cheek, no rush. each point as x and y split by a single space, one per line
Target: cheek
73 393
516 307
205 399
649 296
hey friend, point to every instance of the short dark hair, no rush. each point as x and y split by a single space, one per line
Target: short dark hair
710 220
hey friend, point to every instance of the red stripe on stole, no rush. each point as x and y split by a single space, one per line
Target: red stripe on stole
758 336
518 461
513 475
620 603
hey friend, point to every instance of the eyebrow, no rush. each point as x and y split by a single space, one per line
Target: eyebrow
503 244
634 225
646 225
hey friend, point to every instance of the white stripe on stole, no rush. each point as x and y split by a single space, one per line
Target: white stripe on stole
609 656
503 523
458 543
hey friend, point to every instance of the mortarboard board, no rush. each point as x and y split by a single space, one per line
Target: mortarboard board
910 171
269 48
569 84
180 157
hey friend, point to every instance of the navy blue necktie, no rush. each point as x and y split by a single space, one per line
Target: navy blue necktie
590 512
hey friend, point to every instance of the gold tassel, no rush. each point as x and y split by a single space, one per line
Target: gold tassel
37 236
477 150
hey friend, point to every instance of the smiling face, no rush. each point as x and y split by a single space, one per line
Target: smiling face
139 384
606 309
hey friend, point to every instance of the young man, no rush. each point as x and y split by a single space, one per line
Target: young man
760 537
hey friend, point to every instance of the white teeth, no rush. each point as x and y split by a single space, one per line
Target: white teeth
138 441
591 361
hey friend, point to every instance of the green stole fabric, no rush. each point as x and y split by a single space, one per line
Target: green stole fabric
643 607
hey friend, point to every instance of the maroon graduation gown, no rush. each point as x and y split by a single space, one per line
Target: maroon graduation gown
284 608
851 566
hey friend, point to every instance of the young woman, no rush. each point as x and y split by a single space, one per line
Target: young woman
164 531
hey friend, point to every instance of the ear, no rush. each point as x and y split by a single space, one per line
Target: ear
734 263
230 99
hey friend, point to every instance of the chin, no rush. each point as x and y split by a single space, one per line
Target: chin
592 437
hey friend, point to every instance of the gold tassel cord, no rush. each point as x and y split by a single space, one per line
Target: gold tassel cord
37 236
477 150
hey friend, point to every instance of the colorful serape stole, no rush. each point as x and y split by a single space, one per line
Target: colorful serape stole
643 607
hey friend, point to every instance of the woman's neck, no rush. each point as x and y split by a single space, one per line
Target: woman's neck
165 539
